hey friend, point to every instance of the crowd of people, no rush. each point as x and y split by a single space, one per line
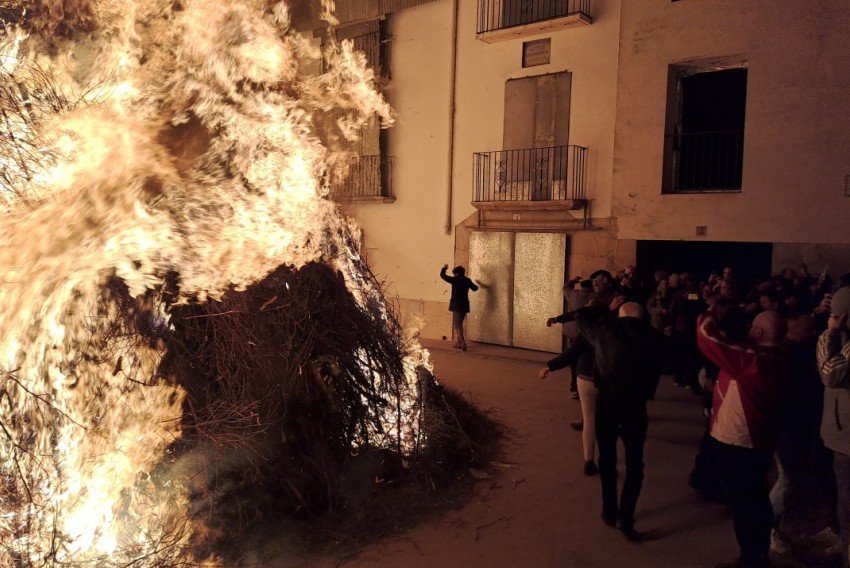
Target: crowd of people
769 362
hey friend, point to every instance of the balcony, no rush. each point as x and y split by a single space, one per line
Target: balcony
704 161
369 179
532 178
501 20
374 45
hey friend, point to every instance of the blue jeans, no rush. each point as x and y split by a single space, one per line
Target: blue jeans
803 496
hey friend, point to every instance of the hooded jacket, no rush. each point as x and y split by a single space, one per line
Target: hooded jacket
833 352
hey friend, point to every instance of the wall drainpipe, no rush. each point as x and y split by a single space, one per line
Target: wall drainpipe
452 96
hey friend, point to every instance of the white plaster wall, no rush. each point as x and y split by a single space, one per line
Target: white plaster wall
589 53
797 132
406 243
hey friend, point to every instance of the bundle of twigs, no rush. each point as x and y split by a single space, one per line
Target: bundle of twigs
289 385
302 398
23 109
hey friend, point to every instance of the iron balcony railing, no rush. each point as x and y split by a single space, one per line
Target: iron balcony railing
368 176
375 48
705 161
501 14
530 174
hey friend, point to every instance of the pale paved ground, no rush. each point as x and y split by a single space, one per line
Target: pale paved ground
545 512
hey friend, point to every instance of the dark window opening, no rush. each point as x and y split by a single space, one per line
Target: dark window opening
704 145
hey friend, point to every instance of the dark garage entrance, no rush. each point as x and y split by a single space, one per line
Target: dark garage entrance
750 261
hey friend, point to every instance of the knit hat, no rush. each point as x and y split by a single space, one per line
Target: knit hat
840 302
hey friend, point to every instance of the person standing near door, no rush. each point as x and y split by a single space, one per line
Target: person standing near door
605 299
459 301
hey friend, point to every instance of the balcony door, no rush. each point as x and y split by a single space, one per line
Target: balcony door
522 276
537 116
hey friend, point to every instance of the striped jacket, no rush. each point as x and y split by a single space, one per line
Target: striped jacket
833 351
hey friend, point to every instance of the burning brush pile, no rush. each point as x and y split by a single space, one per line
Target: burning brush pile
190 344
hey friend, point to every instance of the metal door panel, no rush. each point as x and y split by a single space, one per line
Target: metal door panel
491 266
538 290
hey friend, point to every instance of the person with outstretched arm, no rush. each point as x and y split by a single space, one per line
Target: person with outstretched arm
745 414
629 355
459 301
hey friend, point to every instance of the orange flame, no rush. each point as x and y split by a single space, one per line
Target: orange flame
188 144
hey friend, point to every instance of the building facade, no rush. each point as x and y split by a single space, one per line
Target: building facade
538 140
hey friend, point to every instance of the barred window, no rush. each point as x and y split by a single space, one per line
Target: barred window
704 135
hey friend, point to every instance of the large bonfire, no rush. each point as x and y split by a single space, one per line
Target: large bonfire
189 339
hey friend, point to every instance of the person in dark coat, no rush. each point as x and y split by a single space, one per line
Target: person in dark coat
629 354
685 307
459 302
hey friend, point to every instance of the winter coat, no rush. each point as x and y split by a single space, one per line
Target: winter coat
461 285
629 354
833 352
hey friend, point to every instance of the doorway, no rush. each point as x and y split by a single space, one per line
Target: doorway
521 277
750 261
536 134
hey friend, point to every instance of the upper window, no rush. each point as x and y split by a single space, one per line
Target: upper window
367 174
704 134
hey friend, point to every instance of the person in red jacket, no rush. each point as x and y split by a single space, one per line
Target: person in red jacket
744 422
